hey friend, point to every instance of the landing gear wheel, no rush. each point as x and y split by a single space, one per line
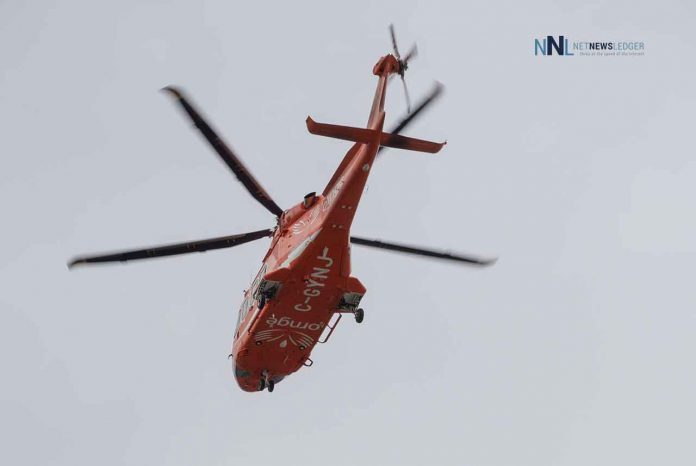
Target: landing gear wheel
262 385
271 385
359 315
262 301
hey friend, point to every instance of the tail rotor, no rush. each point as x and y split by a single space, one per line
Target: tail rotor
403 63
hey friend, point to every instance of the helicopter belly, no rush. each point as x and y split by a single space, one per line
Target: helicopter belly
279 342
277 339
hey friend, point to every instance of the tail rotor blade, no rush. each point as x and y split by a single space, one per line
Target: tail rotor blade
444 255
408 97
393 39
229 157
173 249
413 53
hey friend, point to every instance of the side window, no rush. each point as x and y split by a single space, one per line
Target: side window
249 299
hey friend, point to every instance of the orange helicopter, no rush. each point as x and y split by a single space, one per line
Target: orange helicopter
305 284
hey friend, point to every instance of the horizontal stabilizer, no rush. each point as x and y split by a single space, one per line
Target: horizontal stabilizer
403 142
367 136
347 133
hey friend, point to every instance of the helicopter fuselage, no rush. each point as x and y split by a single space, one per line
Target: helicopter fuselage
305 279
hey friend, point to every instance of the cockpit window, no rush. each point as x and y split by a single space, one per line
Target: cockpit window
249 299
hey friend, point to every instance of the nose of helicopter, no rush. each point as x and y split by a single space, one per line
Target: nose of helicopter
245 379
251 382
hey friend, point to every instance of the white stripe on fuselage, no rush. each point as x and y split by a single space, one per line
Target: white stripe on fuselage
295 253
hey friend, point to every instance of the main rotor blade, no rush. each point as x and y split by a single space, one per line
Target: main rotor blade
232 161
421 251
174 249
422 105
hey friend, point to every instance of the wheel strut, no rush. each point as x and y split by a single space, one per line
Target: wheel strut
266 382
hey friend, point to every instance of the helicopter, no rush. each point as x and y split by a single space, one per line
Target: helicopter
304 285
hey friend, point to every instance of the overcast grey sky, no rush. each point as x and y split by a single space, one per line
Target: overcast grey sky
577 348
